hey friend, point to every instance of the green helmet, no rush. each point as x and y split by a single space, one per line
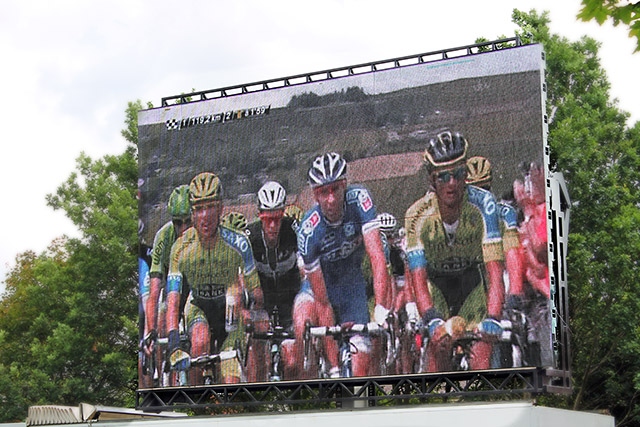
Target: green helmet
179 205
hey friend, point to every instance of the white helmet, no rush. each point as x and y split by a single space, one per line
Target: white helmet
387 222
271 196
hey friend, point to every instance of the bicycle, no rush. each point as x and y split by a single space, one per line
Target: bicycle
274 337
455 348
407 344
161 373
344 333
211 363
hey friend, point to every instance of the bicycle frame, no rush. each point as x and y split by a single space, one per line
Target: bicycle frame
344 333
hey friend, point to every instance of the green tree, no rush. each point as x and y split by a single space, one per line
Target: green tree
68 318
600 159
625 12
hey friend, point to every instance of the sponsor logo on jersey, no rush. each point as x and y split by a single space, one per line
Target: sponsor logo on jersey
349 229
237 240
327 240
303 238
311 222
365 201
344 251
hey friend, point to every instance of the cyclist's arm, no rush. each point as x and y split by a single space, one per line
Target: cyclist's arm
381 282
173 310
512 248
415 218
151 308
157 270
174 288
325 312
515 270
420 282
495 295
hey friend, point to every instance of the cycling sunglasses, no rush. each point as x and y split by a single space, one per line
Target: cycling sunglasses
179 222
444 177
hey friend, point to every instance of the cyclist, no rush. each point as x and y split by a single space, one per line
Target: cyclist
333 238
275 250
403 298
144 259
530 196
179 209
480 174
454 252
206 263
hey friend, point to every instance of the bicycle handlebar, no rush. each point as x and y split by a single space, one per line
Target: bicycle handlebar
370 328
278 333
208 359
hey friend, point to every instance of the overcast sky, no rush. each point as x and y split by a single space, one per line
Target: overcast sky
70 67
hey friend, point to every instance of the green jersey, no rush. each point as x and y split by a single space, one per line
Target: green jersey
455 255
208 271
160 255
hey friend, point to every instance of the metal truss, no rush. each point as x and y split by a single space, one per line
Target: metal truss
333 73
345 393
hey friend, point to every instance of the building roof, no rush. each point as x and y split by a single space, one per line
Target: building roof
44 415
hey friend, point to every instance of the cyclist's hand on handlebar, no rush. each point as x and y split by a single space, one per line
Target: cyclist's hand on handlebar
258 319
380 315
180 360
434 324
149 341
490 327
412 312
346 326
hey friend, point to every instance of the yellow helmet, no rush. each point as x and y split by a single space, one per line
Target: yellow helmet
205 187
234 221
478 171
295 213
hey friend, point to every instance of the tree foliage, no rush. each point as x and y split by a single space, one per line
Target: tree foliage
600 159
626 12
68 329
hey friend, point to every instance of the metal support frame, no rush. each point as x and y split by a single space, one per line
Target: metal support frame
344 393
368 67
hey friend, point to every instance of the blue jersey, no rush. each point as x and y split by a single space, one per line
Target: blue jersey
338 249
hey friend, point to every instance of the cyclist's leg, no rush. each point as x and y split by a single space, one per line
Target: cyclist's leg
310 311
437 355
405 328
198 329
304 312
376 350
232 370
361 357
162 333
474 310
258 362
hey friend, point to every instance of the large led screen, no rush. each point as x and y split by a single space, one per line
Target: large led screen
386 222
